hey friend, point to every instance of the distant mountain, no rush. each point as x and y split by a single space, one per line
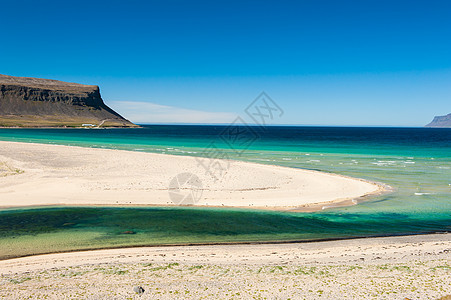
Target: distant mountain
35 102
441 121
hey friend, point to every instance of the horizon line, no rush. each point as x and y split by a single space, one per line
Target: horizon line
279 125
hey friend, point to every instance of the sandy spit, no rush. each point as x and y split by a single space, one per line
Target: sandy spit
42 174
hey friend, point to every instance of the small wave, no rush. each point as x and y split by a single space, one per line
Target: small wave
383 163
421 194
327 206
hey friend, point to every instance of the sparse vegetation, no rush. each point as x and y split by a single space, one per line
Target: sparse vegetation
6 170
428 280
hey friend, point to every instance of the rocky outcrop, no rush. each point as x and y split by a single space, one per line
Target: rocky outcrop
441 121
34 102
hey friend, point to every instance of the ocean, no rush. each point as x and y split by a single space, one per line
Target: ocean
415 162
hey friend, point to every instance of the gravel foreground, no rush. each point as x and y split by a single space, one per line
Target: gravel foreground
414 267
414 280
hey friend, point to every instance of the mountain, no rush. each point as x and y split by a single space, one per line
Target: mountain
35 102
441 121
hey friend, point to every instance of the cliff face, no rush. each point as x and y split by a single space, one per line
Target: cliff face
33 102
441 121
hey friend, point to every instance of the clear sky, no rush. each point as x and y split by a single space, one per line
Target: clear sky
368 62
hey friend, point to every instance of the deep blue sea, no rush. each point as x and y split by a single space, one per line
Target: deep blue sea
416 162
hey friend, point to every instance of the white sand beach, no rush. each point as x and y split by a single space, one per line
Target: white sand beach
42 174
408 267
411 267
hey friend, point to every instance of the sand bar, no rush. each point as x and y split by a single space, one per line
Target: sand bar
43 174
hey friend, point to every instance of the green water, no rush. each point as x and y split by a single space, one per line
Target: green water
68 228
415 162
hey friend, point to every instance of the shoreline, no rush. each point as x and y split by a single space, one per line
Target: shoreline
71 127
394 266
312 207
274 243
271 187
403 238
413 267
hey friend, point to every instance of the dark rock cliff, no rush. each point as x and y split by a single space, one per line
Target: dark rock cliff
34 102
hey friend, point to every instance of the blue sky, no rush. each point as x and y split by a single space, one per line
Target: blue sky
324 62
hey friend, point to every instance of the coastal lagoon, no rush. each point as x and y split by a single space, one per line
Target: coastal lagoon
415 162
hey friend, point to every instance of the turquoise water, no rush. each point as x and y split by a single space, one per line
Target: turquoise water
416 162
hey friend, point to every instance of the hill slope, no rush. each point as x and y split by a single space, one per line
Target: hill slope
35 102
441 121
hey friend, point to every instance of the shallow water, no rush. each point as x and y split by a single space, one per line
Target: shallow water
416 162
